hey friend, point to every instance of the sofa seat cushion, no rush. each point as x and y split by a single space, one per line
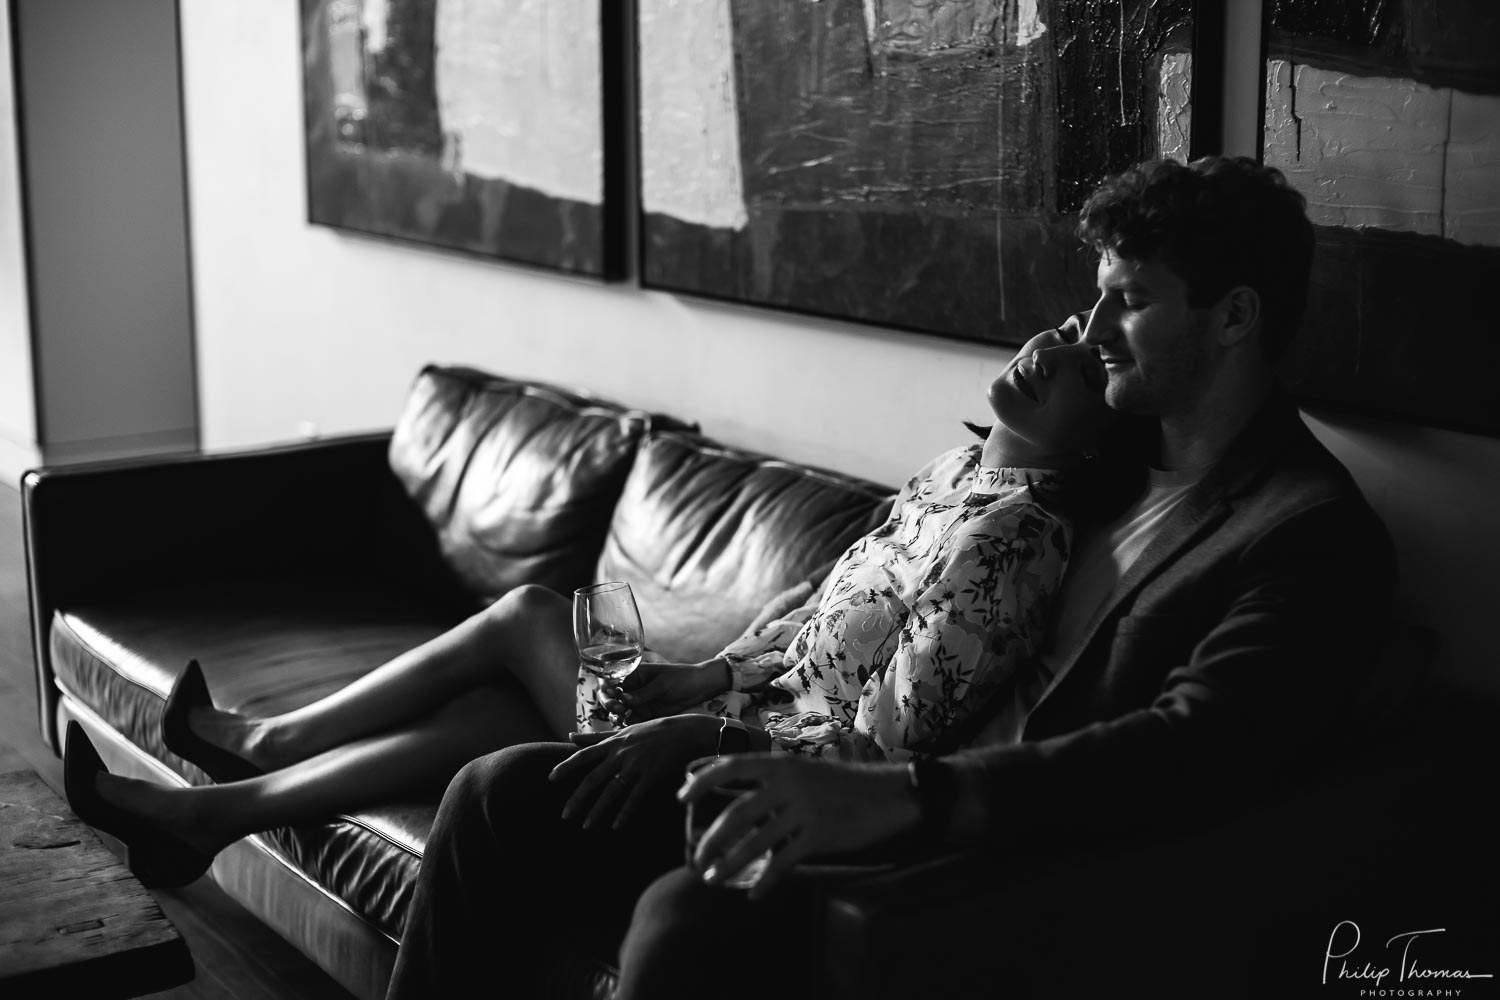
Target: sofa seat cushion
706 535
264 650
369 859
517 479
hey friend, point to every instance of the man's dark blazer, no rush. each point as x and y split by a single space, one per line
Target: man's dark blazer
1231 649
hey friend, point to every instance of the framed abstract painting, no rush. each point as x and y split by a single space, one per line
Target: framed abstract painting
910 163
1386 115
491 127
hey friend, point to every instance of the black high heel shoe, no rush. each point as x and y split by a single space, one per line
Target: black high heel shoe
156 857
190 691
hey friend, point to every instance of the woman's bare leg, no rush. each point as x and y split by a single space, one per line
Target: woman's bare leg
421 755
524 642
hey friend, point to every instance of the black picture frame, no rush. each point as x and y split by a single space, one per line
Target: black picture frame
380 162
881 235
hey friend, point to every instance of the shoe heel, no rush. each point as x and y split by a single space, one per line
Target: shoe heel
155 857
156 870
190 691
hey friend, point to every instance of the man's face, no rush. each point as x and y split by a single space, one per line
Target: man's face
1155 347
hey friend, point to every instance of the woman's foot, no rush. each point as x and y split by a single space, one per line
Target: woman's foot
157 856
201 734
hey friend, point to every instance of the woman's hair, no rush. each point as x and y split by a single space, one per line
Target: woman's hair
1103 485
1217 222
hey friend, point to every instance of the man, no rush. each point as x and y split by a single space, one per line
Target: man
1209 638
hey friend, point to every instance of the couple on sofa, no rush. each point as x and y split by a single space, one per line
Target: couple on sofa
946 687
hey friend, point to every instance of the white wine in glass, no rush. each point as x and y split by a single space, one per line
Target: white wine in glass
607 628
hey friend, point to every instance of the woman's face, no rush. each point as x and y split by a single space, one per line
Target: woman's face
1050 399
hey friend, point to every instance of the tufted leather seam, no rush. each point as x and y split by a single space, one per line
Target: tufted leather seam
355 821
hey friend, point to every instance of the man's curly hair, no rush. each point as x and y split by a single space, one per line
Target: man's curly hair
1217 222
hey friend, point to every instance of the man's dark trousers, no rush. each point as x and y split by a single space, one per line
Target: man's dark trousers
505 881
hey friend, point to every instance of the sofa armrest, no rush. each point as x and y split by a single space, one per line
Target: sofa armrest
321 509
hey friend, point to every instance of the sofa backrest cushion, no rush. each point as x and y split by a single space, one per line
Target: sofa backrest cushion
705 535
518 479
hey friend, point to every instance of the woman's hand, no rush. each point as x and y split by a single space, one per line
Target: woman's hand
615 774
657 690
804 808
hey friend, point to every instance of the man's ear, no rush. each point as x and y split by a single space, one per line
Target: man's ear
1238 314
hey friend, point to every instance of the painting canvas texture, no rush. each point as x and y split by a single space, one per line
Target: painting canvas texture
1386 115
472 125
910 163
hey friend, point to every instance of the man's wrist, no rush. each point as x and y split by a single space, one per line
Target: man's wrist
933 786
734 737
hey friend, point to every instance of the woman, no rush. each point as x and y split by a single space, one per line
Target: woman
917 624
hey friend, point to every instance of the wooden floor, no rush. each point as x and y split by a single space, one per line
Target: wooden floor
236 955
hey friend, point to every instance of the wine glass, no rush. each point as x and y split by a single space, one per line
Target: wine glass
607 629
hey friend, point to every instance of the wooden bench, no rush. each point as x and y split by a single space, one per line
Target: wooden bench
73 920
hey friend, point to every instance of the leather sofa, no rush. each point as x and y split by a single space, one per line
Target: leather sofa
289 571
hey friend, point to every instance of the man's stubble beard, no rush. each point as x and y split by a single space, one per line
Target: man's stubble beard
1175 388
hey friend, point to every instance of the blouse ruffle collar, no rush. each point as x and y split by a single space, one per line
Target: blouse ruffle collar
989 482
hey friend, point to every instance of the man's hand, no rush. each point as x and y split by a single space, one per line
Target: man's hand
657 690
803 809
616 773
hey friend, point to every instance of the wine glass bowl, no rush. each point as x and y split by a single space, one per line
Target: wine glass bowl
607 629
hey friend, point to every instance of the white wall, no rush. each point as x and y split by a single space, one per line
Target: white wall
305 325
112 365
299 325
17 404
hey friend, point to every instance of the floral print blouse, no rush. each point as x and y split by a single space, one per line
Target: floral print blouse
917 624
